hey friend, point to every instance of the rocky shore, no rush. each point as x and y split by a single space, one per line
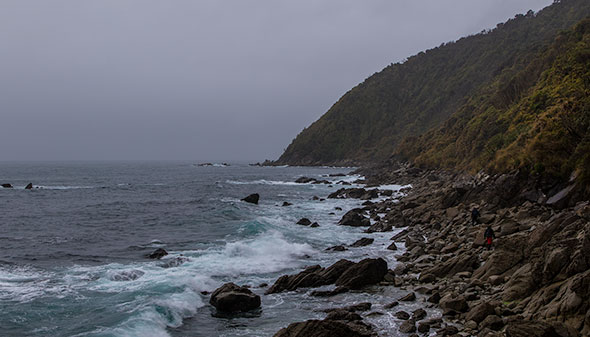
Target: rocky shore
535 281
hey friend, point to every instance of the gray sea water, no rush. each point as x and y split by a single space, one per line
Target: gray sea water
73 248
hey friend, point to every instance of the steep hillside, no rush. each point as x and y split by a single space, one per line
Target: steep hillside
409 98
537 120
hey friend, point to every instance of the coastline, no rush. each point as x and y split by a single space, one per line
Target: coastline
522 285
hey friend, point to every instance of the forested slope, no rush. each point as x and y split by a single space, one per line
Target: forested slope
407 99
537 119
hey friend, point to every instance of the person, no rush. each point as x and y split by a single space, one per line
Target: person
489 236
474 216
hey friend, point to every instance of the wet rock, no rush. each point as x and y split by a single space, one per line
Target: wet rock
392 246
158 254
408 298
418 314
363 242
435 298
354 193
423 327
329 293
339 248
338 208
252 198
371 194
355 218
402 315
174 262
314 225
391 305
325 328
233 298
29 186
304 180
285 203
6 185
363 273
379 227
363 306
343 315
408 327
304 222
427 278
449 330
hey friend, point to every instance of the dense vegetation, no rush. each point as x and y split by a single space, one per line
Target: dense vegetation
537 119
407 99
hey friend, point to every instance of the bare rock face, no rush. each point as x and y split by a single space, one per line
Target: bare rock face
252 198
233 298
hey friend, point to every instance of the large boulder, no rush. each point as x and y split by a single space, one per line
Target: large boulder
454 303
252 198
480 312
365 272
233 298
325 328
355 218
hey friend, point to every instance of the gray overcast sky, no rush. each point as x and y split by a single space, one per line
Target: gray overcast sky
201 79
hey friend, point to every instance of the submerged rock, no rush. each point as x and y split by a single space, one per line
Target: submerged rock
6 185
158 254
252 198
233 298
285 203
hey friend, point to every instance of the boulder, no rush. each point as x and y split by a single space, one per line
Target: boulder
423 327
304 180
392 246
455 303
408 326
304 222
408 298
418 314
6 185
363 273
355 218
402 315
285 203
363 242
491 322
29 186
480 312
233 298
252 198
314 225
158 254
343 315
325 328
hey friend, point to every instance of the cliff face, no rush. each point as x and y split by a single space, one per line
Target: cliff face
406 100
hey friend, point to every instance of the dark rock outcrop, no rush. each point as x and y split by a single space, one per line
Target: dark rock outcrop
363 242
29 186
355 218
233 298
158 254
252 198
6 185
304 222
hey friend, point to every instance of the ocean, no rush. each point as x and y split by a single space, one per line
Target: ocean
74 248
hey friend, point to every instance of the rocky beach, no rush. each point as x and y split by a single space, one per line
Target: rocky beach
535 281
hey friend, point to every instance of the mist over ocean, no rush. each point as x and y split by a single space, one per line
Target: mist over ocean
74 247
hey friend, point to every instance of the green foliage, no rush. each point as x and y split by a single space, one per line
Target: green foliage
545 128
448 86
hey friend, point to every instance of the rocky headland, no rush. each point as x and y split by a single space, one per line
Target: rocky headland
535 281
